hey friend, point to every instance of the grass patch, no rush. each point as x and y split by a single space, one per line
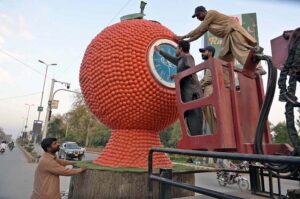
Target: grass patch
91 166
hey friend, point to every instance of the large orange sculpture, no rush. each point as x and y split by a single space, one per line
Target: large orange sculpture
119 88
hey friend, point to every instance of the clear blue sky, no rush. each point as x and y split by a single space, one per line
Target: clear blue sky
59 32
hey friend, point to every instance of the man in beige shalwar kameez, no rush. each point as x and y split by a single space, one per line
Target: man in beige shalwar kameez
206 84
237 42
46 178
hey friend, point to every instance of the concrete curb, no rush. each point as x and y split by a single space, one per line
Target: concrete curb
93 152
196 166
29 157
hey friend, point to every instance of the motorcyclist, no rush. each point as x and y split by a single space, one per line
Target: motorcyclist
3 146
11 145
226 164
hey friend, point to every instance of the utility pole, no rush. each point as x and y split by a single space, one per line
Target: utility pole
40 108
29 105
49 107
23 124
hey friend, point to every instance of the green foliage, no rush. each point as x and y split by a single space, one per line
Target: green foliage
91 166
56 128
281 134
29 147
178 158
170 136
2 134
22 141
79 125
34 154
100 136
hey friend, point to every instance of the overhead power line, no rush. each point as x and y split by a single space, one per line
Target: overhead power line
122 8
22 62
20 96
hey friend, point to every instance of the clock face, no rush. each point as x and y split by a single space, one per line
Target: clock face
160 67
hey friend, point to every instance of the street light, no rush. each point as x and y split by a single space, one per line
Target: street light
23 124
40 108
49 107
29 105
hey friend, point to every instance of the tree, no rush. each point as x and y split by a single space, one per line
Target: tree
100 135
2 134
83 127
57 127
170 136
281 134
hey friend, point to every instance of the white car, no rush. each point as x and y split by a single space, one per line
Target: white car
70 150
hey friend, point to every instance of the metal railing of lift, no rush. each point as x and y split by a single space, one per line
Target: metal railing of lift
166 181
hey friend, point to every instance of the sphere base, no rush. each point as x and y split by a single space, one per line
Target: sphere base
130 148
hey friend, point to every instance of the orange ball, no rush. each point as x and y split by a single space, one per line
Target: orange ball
116 80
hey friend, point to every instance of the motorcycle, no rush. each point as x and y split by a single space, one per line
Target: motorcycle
11 147
244 166
2 150
230 178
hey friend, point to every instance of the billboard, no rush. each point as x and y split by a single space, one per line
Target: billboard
248 21
54 104
37 128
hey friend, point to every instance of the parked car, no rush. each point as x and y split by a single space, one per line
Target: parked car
71 150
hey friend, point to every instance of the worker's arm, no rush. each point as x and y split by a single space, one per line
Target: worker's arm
191 39
170 58
55 168
64 162
203 28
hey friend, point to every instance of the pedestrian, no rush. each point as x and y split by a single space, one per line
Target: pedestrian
189 86
46 178
237 42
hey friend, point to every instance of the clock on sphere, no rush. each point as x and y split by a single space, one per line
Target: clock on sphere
160 68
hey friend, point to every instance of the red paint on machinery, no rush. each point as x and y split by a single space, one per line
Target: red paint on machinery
237 111
120 91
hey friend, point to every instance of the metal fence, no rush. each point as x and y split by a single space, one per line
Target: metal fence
255 173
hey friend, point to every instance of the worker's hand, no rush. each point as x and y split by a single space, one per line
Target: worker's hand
71 163
172 76
157 48
83 169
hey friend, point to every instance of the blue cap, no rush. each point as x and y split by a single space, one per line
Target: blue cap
208 48
199 9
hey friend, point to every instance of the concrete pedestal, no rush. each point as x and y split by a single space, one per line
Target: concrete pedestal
99 184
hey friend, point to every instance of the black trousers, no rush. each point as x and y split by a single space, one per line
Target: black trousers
194 117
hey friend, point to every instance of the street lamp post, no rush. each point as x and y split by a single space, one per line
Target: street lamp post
49 107
29 105
23 124
40 109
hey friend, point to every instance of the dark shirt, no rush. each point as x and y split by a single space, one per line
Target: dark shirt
190 87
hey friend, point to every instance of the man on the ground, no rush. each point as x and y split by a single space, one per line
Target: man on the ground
46 178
